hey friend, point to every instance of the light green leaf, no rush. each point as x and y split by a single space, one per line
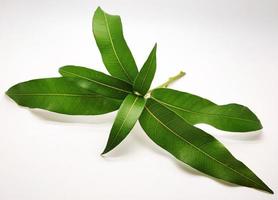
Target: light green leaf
110 40
61 95
145 76
195 147
126 118
195 110
98 82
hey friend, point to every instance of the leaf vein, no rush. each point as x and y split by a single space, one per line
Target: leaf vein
113 47
200 113
143 82
56 94
110 86
200 150
131 107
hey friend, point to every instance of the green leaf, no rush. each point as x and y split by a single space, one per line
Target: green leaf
126 118
195 110
195 147
145 77
110 40
98 82
61 95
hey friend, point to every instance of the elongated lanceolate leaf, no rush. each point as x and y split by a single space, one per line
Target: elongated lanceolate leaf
195 110
98 82
61 95
126 118
110 40
195 147
145 76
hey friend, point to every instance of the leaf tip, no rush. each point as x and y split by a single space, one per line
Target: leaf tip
182 73
8 92
260 125
63 68
155 47
97 12
60 70
269 190
105 151
99 8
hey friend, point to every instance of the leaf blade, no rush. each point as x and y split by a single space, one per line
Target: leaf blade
145 76
195 110
128 114
98 82
195 147
116 55
61 95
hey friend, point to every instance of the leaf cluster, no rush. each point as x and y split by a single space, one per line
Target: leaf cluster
167 116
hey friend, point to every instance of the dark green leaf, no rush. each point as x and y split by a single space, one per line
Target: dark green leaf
110 40
98 82
145 77
195 147
61 95
126 118
195 110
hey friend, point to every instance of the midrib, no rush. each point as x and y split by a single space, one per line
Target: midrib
200 113
91 80
56 94
131 107
200 150
113 47
147 71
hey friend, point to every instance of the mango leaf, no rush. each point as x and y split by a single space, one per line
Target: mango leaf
195 147
61 95
98 82
195 110
110 40
126 118
145 76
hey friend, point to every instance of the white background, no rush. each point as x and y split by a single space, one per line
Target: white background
229 50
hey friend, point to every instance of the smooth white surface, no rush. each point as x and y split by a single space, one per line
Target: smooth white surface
229 50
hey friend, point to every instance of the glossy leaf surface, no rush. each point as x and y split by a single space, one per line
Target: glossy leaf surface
195 110
145 76
195 147
98 82
61 95
126 118
110 40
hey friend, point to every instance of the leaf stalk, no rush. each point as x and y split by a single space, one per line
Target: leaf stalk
170 80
